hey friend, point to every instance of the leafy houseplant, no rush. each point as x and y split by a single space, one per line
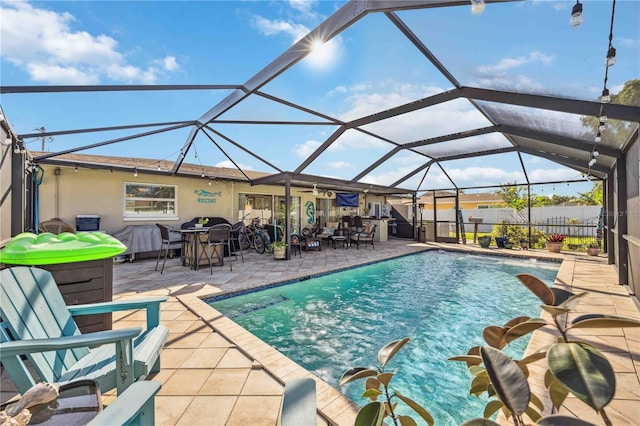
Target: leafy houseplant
555 242
202 221
279 249
377 386
574 366
593 248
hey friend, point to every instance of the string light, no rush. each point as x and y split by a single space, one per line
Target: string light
76 170
576 15
477 6
606 96
135 172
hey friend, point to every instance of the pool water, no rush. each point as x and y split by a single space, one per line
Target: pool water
441 300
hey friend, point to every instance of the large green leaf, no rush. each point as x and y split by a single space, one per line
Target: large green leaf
538 287
560 420
475 359
507 379
584 370
385 378
536 356
560 296
557 393
532 413
407 421
355 374
515 321
492 407
572 301
385 354
479 422
603 321
523 329
494 336
371 414
372 394
372 383
555 310
422 412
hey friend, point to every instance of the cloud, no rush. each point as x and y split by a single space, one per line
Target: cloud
51 51
509 63
274 27
340 165
306 149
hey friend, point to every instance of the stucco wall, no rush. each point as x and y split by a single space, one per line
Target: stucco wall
101 192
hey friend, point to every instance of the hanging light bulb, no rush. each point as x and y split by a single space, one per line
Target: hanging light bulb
477 6
202 175
209 182
76 170
598 137
595 153
611 56
601 126
603 116
16 148
576 15
605 98
592 162
159 167
315 189
135 172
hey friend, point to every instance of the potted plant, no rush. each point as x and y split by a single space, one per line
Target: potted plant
202 221
593 248
484 241
279 249
555 242
524 244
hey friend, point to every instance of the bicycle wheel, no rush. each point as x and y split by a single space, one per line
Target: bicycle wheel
258 243
244 241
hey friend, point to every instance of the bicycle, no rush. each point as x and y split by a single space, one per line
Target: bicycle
252 237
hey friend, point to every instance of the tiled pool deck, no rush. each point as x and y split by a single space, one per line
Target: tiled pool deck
216 373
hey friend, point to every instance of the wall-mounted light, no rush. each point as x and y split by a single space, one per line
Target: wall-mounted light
576 15
315 189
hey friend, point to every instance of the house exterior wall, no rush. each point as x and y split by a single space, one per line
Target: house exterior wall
101 192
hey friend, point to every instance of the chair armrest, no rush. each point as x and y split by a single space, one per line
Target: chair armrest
151 304
135 406
22 347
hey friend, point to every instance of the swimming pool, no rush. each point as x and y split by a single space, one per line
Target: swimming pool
441 300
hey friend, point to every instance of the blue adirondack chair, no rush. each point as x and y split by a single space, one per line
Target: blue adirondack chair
37 323
136 406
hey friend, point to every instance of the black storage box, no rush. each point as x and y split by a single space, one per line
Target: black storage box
87 222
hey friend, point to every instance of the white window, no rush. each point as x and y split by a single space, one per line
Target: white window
145 201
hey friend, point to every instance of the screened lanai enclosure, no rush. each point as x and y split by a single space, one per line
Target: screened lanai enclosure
423 96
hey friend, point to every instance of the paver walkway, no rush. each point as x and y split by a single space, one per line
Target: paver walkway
216 373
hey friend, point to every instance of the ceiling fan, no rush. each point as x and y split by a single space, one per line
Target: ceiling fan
315 191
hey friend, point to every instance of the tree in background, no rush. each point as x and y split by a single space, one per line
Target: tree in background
592 197
616 131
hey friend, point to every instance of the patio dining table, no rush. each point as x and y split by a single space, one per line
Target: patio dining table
191 241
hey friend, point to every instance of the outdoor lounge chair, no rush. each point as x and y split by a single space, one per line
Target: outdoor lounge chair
55 226
365 236
37 323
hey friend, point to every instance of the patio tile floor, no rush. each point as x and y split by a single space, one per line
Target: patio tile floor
216 373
